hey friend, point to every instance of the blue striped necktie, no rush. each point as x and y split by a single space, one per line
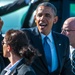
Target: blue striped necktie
47 51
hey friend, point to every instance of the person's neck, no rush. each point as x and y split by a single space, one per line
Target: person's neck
73 45
13 59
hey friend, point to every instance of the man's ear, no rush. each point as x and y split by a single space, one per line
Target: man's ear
55 19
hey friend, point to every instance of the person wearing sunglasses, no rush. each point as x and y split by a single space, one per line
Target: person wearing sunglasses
21 54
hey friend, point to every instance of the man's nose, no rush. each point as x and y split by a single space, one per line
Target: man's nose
42 17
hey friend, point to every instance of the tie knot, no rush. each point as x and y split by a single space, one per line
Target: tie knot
45 38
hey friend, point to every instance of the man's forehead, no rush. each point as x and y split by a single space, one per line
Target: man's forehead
66 23
70 20
42 7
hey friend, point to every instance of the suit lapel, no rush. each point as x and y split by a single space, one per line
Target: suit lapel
59 48
37 41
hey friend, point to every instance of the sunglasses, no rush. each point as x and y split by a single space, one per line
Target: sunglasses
3 43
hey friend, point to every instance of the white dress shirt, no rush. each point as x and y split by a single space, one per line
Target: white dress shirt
71 50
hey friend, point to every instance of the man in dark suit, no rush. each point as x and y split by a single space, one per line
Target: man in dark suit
59 64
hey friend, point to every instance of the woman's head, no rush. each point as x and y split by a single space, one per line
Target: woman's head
16 41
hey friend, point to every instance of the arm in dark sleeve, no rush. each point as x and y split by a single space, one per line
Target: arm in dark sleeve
12 7
2 65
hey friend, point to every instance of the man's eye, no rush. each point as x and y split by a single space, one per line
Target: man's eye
39 15
47 15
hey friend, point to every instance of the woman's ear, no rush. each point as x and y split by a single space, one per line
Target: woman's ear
8 48
55 19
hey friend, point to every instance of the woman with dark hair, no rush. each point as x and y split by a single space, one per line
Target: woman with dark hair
20 53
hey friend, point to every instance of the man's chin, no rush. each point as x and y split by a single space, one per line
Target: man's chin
43 32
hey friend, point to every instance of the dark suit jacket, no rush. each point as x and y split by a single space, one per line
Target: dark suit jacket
21 69
1 38
62 49
2 65
15 6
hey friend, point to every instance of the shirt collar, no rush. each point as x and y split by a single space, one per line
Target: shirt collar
11 68
49 36
72 48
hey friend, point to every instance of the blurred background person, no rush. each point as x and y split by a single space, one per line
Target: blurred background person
20 53
17 5
68 29
1 24
1 38
5 60
2 65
